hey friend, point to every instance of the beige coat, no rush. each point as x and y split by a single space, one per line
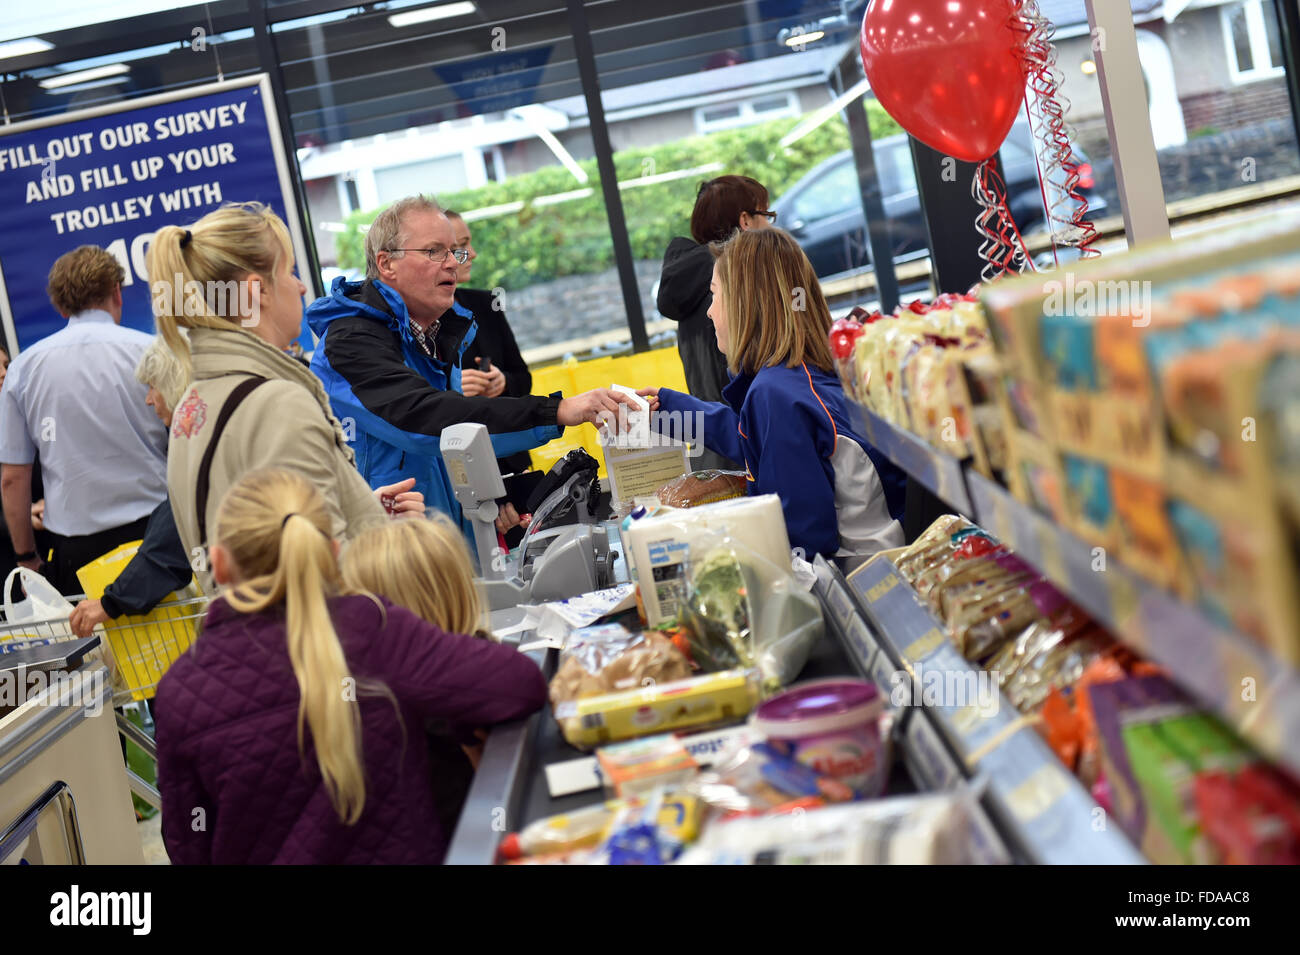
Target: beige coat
285 423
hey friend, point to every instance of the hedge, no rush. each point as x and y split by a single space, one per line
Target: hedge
539 243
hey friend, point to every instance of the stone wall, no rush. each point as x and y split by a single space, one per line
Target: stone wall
576 306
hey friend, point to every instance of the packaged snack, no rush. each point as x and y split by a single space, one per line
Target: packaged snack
698 701
679 813
702 487
606 659
918 830
1147 540
637 836
638 766
833 726
755 777
1153 743
1251 817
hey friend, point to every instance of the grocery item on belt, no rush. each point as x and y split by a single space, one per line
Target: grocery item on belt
658 547
608 658
679 813
832 726
698 701
718 613
702 487
640 765
920 830
753 776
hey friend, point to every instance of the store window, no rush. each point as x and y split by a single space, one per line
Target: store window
710 119
478 104
1254 48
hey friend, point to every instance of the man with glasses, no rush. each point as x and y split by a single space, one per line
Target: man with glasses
387 382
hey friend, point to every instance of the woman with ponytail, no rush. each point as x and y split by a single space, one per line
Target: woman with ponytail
229 278
292 731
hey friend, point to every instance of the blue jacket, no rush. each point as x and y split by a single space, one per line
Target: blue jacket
394 401
791 427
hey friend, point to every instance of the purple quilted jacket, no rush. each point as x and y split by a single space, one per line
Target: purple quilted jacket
234 788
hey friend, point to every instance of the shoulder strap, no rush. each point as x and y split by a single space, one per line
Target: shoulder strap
233 401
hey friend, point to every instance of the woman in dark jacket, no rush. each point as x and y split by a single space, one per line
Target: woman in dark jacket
292 731
491 364
722 206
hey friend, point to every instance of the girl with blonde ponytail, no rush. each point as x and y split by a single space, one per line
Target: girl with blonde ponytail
293 722
229 279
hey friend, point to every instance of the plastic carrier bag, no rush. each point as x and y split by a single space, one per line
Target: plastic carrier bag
43 607
742 610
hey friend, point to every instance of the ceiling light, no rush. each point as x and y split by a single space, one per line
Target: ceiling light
84 76
425 14
799 39
82 87
23 47
1088 67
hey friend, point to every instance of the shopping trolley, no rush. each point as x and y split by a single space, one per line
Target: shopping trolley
139 651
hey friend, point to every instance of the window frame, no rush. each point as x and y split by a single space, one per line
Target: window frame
747 116
1257 35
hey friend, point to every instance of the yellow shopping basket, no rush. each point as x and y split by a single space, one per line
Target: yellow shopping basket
143 646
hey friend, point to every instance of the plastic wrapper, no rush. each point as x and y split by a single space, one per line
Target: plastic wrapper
921 830
696 702
607 659
755 777
743 611
934 544
702 487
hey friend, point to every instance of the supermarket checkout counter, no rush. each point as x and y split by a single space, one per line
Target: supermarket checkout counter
64 797
523 762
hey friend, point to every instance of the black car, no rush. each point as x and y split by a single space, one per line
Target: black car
824 212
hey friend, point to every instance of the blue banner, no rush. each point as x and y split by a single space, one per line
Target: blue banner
113 179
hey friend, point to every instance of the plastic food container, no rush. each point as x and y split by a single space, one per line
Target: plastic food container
831 726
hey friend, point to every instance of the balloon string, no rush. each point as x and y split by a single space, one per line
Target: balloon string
1003 249
1057 165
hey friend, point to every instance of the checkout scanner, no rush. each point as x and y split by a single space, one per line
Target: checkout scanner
566 550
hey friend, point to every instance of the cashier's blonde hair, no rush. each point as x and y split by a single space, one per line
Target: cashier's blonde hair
275 527
776 312
222 250
423 566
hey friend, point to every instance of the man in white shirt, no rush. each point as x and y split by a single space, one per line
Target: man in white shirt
73 397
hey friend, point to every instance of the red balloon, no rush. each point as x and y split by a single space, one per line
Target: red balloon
951 72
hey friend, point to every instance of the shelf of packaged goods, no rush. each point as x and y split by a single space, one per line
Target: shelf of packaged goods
1042 810
1240 680
940 473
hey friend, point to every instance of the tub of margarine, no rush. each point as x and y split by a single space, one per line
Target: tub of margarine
831 726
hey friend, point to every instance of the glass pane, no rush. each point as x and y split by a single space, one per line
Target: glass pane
1241 38
483 110
693 56
1270 28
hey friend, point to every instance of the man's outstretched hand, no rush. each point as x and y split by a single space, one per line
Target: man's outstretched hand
598 406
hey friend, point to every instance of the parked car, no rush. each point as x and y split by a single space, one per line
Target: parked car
824 212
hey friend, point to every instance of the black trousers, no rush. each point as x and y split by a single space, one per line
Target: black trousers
70 553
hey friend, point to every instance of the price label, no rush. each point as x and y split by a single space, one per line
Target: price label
924 645
933 760
1038 793
967 720
841 606
1049 549
882 672
879 590
1002 526
860 639
1124 609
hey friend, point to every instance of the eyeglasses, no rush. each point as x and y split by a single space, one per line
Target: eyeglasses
771 216
439 255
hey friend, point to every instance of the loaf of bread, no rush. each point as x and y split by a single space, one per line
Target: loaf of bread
702 487
642 659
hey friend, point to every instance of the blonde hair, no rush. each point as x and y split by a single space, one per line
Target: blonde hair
421 565
83 278
211 259
160 368
277 530
764 278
